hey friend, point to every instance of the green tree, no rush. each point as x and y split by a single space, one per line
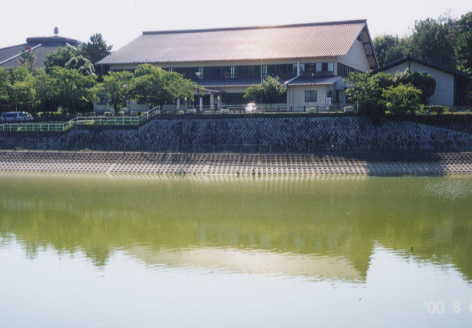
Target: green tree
154 86
4 82
463 42
271 91
422 81
116 87
431 41
366 92
402 99
389 48
71 58
27 59
46 90
96 48
72 90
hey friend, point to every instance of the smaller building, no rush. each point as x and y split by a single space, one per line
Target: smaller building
41 47
450 84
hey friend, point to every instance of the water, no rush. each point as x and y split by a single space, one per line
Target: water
82 252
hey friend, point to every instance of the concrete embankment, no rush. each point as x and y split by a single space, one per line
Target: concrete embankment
233 164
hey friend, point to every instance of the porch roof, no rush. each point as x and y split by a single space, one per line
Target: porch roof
318 81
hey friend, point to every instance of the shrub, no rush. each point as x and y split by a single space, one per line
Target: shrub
402 99
271 91
436 109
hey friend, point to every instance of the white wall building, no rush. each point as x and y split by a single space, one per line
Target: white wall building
447 80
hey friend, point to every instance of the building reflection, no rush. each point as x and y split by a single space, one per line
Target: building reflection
320 229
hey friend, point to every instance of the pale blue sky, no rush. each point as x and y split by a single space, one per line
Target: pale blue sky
120 21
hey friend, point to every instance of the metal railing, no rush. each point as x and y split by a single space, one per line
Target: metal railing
136 120
58 127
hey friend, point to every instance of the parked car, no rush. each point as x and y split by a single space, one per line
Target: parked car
251 108
16 117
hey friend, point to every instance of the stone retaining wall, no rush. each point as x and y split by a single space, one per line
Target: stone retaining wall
262 134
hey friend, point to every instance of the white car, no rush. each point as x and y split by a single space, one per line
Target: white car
251 108
16 117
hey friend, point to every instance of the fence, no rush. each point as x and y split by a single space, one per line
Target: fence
59 127
136 120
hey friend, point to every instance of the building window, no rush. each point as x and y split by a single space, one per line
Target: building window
319 67
331 67
232 72
263 71
311 96
199 73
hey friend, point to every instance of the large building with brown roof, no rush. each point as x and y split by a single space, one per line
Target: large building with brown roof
311 59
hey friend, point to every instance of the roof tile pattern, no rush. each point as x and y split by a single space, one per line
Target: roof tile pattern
235 44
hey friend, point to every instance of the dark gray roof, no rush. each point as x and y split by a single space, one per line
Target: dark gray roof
40 46
313 40
424 63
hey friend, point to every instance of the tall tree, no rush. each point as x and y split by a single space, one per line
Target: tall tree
431 41
71 58
463 42
96 48
27 58
72 90
389 48
4 81
115 87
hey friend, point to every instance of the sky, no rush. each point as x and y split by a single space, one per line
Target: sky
121 21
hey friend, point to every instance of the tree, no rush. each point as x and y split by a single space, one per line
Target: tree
27 59
271 91
72 90
366 92
389 48
463 42
71 58
46 90
115 87
431 41
81 63
422 81
154 86
4 81
96 49
402 99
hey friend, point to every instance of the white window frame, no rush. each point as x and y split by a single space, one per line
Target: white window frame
311 96
200 73
331 67
319 67
232 72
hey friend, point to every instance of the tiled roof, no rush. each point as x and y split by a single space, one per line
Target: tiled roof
236 44
41 48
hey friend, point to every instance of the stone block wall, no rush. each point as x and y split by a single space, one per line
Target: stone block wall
262 134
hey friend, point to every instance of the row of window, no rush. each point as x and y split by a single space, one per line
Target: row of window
254 72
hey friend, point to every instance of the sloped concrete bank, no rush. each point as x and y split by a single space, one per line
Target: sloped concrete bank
233 164
254 135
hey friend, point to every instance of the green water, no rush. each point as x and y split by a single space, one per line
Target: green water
82 252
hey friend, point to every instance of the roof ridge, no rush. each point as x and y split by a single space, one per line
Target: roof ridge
344 22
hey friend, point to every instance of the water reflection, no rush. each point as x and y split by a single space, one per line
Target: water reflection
323 230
